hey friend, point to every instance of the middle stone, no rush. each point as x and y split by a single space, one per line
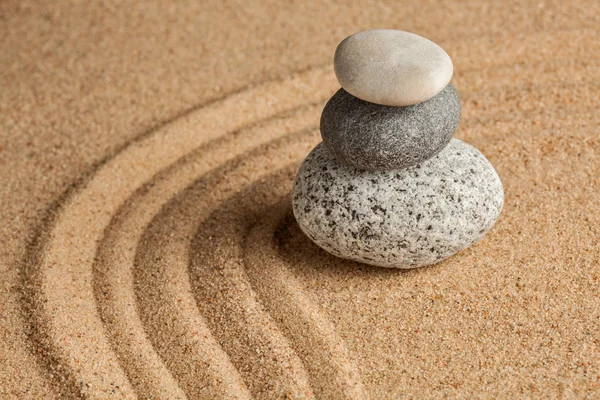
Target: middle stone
377 137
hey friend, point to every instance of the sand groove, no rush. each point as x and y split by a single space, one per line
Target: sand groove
313 336
162 284
259 351
65 310
118 250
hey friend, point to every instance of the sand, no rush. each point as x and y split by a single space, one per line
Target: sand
147 245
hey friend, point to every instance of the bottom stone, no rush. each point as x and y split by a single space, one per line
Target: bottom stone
400 218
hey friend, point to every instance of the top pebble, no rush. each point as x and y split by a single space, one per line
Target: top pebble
392 68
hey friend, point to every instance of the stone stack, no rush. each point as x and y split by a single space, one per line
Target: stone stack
389 186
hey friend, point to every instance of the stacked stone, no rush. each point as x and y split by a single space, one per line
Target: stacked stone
389 186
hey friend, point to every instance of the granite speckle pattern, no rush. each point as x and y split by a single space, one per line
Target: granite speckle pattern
375 137
404 218
392 67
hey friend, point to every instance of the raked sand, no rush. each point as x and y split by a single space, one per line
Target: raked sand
147 244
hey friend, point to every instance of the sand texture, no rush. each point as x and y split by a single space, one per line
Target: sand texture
147 244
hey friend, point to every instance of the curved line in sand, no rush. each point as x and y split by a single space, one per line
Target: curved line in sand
62 304
312 335
166 306
229 278
114 285
254 344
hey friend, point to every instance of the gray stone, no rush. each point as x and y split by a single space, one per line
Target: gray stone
391 67
403 219
376 137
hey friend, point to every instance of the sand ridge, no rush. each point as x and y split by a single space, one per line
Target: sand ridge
174 268
53 309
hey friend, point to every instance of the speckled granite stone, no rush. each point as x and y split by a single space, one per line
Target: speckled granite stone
376 137
404 219
391 67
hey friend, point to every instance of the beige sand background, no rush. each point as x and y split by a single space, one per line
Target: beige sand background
147 247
